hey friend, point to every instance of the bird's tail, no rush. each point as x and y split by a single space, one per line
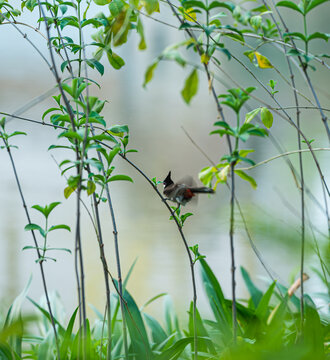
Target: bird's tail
204 190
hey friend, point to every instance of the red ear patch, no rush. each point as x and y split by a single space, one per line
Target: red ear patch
188 194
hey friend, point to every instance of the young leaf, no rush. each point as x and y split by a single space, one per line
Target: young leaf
266 117
49 208
190 87
251 115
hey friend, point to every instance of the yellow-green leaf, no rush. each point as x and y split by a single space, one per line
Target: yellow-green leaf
102 2
263 62
266 117
68 191
205 59
151 6
189 14
149 73
91 187
246 177
250 115
190 87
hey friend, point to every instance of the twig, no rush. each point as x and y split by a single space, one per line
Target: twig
281 155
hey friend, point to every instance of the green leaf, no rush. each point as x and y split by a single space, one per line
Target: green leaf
31 4
175 350
61 226
251 115
263 306
318 35
115 60
102 2
115 7
256 21
40 209
67 338
294 52
46 314
49 208
255 293
314 3
185 216
30 227
194 4
138 334
149 73
68 191
290 5
190 87
118 130
60 249
140 30
227 5
112 154
151 6
217 301
246 177
266 117
158 334
120 177
95 64
91 187
313 330
48 111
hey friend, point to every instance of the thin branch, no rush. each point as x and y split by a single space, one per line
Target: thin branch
281 155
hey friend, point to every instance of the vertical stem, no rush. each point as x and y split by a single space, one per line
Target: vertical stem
115 234
106 271
232 252
302 199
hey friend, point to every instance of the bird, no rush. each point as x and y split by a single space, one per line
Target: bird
182 193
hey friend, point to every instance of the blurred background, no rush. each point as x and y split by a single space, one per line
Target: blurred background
156 116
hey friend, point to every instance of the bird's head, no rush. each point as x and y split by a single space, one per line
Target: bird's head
168 181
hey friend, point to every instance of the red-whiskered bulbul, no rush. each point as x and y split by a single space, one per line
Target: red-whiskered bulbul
180 192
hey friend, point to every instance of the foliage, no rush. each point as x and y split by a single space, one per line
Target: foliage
268 326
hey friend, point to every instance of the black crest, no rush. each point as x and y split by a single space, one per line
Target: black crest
168 181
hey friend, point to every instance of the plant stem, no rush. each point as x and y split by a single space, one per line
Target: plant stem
105 271
115 235
232 251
